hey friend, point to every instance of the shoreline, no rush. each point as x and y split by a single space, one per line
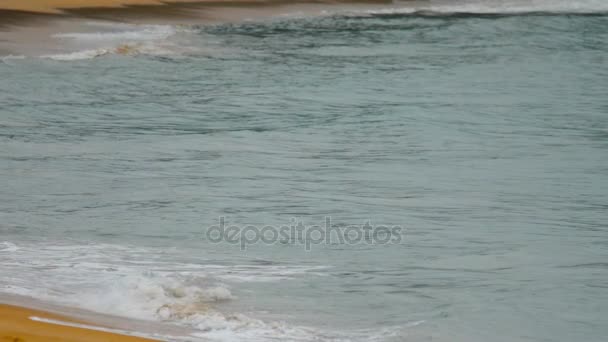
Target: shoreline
35 34
29 319
162 9
62 6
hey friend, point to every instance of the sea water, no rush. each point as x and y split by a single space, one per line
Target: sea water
479 128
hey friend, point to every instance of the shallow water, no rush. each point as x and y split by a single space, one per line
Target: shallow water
483 133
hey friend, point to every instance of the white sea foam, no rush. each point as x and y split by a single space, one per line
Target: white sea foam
496 7
139 283
152 297
174 300
123 39
238 327
149 49
130 33
78 55
11 57
8 247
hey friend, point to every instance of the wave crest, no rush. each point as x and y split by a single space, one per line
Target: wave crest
489 7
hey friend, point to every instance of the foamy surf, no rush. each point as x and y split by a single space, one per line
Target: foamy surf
8 247
137 283
78 55
173 301
9 59
135 49
123 39
495 7
126 33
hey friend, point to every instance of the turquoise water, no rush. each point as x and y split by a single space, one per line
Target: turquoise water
483 135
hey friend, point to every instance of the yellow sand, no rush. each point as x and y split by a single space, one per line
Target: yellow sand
17 325
54 6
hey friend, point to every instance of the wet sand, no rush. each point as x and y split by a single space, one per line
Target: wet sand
23 324
29 28
62 6
27 319
55 6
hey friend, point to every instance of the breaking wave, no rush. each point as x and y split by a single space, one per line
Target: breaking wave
494 7
123 39
8 247
128 33
132 282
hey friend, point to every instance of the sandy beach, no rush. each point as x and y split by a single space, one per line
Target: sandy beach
303 170
35 28
55 6
28 319
24 324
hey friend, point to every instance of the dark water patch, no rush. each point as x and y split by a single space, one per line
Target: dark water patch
600 265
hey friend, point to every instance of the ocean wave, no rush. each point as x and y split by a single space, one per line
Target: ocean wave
8 247
136 49
139 283
192 305
153 297
9 58
126 40
514 7
239 327
130 33
78 55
